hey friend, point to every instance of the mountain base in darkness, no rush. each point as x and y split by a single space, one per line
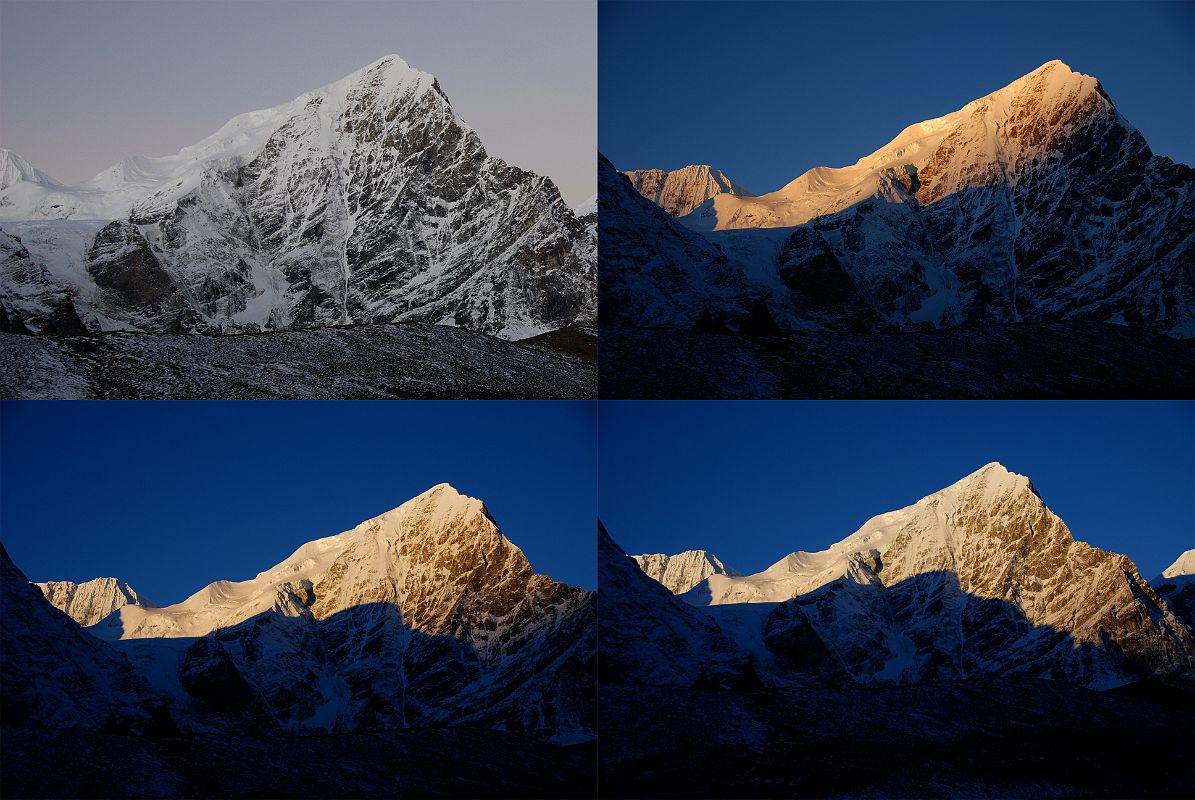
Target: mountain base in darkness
411 763
383 361
1049 360
990 738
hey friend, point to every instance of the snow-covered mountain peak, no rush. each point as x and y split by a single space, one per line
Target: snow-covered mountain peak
14 169
682 190
89 602
1183 565
681 572
993 139
990 481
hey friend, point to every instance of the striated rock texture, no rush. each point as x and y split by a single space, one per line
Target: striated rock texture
1037 202
979 579
661 273
367 200
651 638
680 191
89 602
56 675
424 615
683 571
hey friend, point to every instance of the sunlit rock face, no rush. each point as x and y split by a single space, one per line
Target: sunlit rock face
680 191
978 579
426 614
89 602
367 200
681 572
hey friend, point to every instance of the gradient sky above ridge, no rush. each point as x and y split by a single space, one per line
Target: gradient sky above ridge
171 496
753 481
85 84
766 91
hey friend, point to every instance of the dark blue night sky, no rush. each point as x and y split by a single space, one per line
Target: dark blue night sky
752 482
171 496
766 91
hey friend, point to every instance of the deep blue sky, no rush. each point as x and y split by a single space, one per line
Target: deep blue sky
752 482
171 496
768 90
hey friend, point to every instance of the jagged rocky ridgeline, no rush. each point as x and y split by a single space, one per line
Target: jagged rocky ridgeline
425 615
366 200
682 190
978 580
1038 202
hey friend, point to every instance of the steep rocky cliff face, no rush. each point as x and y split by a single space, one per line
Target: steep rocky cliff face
680 191
1037 202
681 572
89 602
367 200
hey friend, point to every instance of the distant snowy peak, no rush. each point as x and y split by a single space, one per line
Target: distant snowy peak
681 572
680 191
994 139
1183 565
89 602
587 208
14 169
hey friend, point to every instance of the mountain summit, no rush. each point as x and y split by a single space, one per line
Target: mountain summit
1038 202
366 200
977 579
424 615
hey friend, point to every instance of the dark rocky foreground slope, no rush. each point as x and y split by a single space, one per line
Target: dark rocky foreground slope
1058 360
424 763
386 361
1008 738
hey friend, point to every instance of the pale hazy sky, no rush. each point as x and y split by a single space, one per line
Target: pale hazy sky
84 84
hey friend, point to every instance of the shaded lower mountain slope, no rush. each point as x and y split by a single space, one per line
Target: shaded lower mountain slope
1057 360
391 361
1008 738
456 762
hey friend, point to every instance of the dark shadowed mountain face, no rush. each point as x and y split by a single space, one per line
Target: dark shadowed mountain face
424 616
648 636
367 200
